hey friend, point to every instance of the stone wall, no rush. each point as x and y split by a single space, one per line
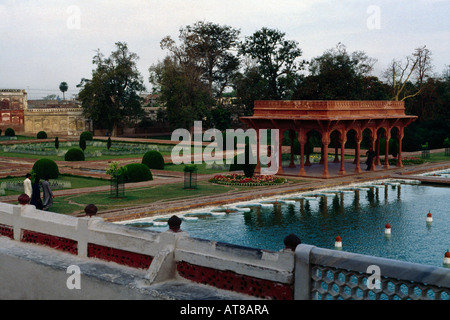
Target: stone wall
56 121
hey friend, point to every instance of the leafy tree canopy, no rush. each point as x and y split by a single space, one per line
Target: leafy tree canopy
111 96
276 59
339 75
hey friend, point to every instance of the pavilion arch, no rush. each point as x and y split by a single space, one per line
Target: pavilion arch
397 136
354 139
381 134
330 119
340 138
314 138
335 137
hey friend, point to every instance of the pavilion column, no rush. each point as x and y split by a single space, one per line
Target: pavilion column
321 154
358 138
343 140
325 143
377 159
280 152
387 137
400 138
302 139
308 147
336 152
373 138
258 153
292 137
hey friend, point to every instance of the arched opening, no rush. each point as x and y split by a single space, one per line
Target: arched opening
354 138
368 144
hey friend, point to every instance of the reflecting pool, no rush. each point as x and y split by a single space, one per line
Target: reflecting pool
358 214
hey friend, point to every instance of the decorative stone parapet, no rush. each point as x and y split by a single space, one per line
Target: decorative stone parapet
165 255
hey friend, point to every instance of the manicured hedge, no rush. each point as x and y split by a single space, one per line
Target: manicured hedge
46 168
74 154
41 135
248 166
137 172
153 159
86 135
9 132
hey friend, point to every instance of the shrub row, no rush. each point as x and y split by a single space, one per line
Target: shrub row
134 172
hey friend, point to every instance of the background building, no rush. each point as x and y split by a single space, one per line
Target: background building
61 118
13 103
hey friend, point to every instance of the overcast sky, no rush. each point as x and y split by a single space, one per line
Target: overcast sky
45 42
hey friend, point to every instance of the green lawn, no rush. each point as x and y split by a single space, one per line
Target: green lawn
165 150
127 148
201 168
76 182
139 196
437 157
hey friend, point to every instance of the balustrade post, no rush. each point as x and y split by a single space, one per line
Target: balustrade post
302 273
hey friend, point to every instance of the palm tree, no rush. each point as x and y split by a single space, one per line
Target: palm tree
63 86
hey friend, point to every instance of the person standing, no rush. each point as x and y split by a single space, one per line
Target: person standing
370 155
27 185
36 194
47 195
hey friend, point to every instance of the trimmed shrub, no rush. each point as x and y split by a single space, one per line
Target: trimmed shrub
446 142
41 135
74 154
248 166
56 143
86 135
137 172
82 143
9 132
153 159
46 168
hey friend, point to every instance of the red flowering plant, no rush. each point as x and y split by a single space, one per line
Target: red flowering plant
242 180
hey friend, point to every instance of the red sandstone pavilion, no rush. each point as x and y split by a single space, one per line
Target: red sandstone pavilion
332 118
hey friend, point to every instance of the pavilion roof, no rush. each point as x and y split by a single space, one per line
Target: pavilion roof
327 110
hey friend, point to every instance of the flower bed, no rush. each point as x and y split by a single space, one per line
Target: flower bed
242 180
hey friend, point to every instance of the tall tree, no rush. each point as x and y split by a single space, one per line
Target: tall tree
339 75
249 86
185 98
111 97
193 77
63 87
277 60
406 78
209 47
